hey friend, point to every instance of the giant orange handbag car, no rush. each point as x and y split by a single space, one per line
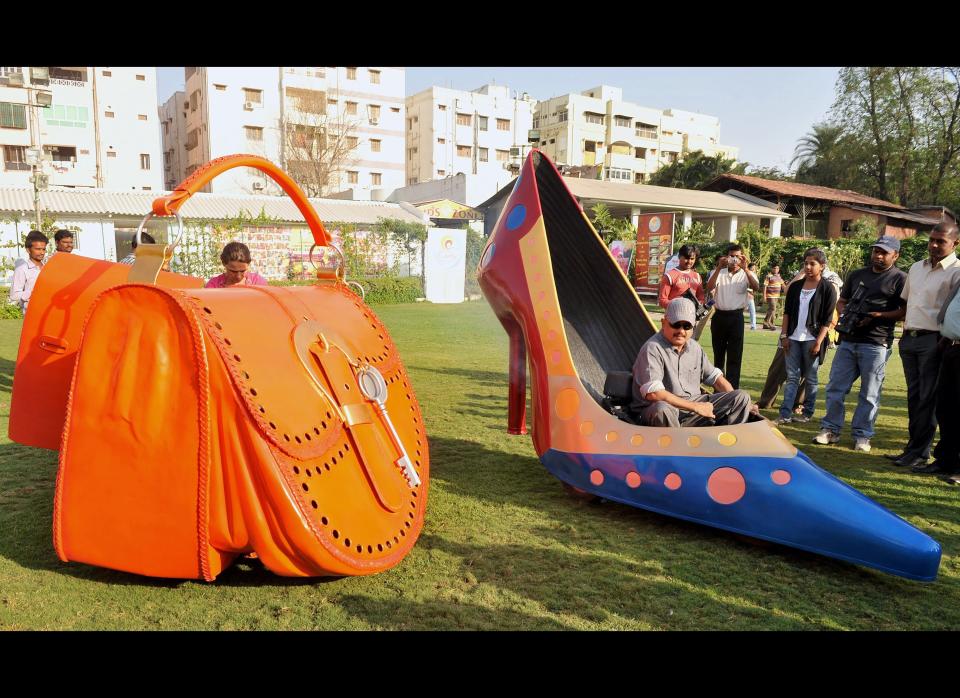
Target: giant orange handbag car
202 424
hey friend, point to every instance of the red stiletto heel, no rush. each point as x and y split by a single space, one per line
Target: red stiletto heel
517 395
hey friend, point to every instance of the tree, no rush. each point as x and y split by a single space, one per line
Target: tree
318 147
610 228
695 170
822 157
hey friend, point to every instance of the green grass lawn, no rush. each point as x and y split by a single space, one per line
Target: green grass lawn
504 547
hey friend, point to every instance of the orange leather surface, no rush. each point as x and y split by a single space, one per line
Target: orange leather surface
51 330
223 440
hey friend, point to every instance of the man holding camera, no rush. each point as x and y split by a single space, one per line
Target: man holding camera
869 307
730 280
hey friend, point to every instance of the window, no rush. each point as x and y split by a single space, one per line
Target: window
441 141
254 96
351 107
13 115
482 154
640 153
411 152
463 151
375 145
592 118
111 153
108 114
562 116
15 157
374 76
373 113
146 188
464 120
442 107
352 142
107 73
308 101
623 121
503 155
194 100
253 133
219 88
376 179
411 180
620 175
351 73
441 173
503 124
395 110
142 117
667 133
61 153
482 123
332 101
144 161
353 176
639 178
193 139
141 78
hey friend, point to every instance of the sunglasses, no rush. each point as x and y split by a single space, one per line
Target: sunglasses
680 325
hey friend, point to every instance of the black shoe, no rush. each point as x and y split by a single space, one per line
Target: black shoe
895 458
906 461
931 469
951 479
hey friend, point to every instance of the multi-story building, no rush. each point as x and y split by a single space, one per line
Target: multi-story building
173 123
480 133
86 126
631 142
293 117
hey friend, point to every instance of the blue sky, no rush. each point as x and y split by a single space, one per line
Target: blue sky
764 111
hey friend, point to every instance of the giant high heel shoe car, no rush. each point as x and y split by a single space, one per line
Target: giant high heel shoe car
566 305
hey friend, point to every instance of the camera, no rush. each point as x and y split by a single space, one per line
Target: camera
853 313
701 310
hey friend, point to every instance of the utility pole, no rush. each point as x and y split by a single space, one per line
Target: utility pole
36 99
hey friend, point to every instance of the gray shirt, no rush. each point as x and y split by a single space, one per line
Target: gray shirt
659 366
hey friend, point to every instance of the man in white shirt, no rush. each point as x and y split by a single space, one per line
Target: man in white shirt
25 275
928 284
730 282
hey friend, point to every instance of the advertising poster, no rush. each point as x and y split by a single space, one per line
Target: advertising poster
654 235
446 261
621 251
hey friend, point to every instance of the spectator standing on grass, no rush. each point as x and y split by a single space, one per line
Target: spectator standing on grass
772 288
928 284
729 282
947 453
25 275
807 317
872 303
675 282
751 303
63 241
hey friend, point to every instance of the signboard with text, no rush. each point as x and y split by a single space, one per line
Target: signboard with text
654 237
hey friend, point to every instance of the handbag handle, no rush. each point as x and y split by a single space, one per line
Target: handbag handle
169 204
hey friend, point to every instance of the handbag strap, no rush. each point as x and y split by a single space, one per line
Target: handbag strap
168 205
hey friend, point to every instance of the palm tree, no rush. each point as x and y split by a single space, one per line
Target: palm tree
816 155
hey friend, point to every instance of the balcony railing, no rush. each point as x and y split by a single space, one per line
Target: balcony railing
647 133
16 167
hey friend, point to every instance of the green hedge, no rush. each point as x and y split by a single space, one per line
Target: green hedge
380 290
9 311
843 254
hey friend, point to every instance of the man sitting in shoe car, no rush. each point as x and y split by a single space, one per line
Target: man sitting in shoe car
669 371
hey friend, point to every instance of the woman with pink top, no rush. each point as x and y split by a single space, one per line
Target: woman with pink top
236 260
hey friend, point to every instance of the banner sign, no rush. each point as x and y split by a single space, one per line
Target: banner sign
622 251
654 237
446 259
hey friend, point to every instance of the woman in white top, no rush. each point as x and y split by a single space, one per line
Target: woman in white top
807 317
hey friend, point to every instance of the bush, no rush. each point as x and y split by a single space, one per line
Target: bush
380 290
9 311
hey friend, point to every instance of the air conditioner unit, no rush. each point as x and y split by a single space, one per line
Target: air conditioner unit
516 152
248 106
258 186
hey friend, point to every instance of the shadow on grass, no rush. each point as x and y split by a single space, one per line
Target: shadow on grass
492 378
6 375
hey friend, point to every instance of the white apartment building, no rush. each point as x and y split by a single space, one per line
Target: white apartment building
99 130
255 110
631 142
173 124
481 133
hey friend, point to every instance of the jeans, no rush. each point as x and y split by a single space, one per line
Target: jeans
752 307
853 360
800 364
921 367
